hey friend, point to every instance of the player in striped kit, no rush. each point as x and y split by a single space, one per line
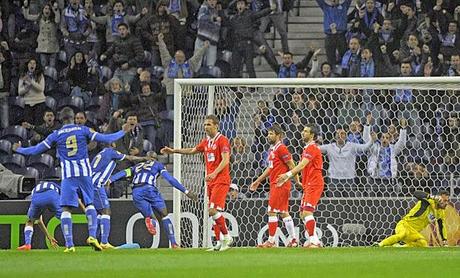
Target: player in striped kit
71 144
279 162
311 166
146 196
102 167
45 195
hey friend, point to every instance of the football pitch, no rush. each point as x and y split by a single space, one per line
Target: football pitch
236 262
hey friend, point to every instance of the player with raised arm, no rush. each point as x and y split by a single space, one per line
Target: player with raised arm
216 150
45 195
428 209
279 162
146 196
102 167
71 144
311 166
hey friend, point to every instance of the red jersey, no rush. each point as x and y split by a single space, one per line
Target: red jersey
213 149
312 174
277 158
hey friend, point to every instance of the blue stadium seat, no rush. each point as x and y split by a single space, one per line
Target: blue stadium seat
16 110
51 73
62 56
95 103
14 134
157 72
29 172
106 74
223 63
41 162
5 147
51 103
209 72
14 162
147 145
52 173
76 103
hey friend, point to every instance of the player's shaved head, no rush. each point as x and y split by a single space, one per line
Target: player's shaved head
66 115
151 155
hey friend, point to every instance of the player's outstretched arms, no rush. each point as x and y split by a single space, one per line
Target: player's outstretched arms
37 149
168 150
136 159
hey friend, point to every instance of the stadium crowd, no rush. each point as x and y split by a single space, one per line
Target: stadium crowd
115 62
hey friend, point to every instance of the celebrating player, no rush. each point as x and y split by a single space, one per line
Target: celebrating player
71 144
312 182
102 167
427 209
279 162
146 196
45 195
216 149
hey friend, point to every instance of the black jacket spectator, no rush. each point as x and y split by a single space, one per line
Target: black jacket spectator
126 50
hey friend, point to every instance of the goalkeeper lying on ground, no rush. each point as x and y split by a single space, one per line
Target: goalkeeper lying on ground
428 209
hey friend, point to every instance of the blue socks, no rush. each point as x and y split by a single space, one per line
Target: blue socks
91 216
66 227
169 228
105 228
28 232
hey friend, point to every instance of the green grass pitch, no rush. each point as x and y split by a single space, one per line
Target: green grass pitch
236 262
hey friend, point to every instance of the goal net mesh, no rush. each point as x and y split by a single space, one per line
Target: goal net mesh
352 212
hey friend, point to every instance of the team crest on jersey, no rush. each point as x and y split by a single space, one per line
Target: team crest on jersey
214 147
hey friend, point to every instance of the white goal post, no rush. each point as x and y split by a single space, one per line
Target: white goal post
347 216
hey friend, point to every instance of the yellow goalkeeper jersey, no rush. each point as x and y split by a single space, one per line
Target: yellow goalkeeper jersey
424 213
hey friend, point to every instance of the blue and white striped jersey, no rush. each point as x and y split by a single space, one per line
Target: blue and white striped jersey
146 173
45 186
103 165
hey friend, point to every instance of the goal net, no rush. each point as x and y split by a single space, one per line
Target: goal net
353 211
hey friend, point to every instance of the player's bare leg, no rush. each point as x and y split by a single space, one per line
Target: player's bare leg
289 224
310 227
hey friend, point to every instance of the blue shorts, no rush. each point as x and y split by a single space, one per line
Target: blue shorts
73 188
101 201
147 198
41 201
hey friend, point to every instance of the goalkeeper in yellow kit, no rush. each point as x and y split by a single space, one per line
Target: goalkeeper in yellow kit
428 209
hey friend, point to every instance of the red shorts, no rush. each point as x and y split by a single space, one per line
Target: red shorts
217 194
279 198
311 196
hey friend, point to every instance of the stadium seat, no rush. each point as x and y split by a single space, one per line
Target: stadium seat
41 162
5 147
76 103
52 173
147 145
29 172
16 110
157 72
106 74
51 103
51 73
95 103
14 162
209 72
223 63
14 134
64 88
147 58
51 79
62 56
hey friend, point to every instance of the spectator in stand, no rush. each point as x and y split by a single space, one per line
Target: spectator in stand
411 51
148 106
75 26
450 41
287 69
241 26
112 21
241 164
325 71
294 134
226 110
351 60
368 15
127 54
387 35
42 131
179 9
335 27
48 22
5 81
32 88
342 155
278 19
209 23
354 132
454 69
409 18
159 22
382 163
77 74
178 67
